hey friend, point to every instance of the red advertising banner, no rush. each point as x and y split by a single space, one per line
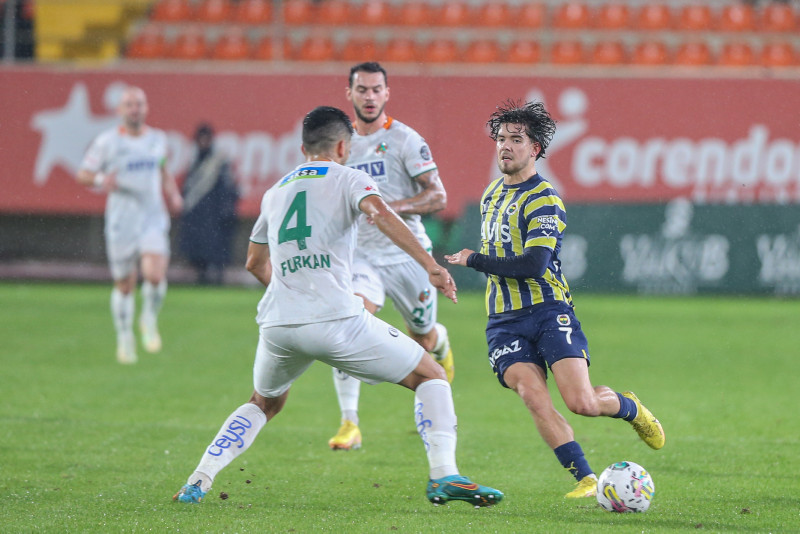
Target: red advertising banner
618 141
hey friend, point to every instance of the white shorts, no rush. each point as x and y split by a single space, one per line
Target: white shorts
408 286
362 346
123 257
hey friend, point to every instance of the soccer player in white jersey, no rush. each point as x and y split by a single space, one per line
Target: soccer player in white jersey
301 248
129 163
400 162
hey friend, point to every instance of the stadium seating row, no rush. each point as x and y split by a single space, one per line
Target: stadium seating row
234 44
613 15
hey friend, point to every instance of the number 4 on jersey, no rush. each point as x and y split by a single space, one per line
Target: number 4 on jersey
300 231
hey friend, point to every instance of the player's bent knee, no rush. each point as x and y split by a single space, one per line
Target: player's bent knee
588 407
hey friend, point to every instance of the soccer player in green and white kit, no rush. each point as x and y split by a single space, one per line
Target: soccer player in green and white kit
301 248
129 163
401 163
532 323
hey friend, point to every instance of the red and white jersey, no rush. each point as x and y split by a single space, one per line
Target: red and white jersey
136 162
309 220
394 156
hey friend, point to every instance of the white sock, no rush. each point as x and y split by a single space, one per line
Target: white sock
436 423
152 299
122 309
347 391
236 435
439 351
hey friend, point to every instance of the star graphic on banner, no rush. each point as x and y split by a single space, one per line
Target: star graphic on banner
67 132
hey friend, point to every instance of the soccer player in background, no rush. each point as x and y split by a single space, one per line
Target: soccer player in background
400 162
301 249
532 324
129 163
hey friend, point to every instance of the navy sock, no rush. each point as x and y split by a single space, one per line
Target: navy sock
627 408
571 457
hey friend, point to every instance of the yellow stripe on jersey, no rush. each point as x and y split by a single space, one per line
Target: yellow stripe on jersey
513 219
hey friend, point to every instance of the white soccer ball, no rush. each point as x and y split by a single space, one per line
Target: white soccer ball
625 487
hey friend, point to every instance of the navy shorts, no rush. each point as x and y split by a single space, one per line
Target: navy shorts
542 334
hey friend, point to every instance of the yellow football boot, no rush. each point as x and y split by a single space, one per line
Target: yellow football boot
586 487
348 438
646 425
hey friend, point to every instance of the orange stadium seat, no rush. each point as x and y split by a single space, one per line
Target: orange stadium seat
264 49
415 13
654 17
613 16
441 51
359 49
737 18
572 16
778 55
172 11
609 53
567 53
693 54
373 13
253 12
315 48
333 12
190 44
650 53
298 12
778 17
695 17
493 15
482 51
213 11
525 52
454 14
530 16
736 54
232 45
402 50
148 44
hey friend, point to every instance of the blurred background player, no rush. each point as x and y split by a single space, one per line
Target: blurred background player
532 324
129 163
209 209
400 162
301 249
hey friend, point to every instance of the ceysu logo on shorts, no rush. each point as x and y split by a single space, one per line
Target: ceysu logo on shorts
231 436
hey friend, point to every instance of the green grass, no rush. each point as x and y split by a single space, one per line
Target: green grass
88 445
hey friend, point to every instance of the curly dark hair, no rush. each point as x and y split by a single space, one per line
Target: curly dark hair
539 125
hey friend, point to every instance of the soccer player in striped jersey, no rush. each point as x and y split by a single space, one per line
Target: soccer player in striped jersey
532 323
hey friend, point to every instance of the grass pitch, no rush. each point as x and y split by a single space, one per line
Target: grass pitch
92 446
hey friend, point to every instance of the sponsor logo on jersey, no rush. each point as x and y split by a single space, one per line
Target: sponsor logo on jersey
425 152
140 165
304 173
376 169
370 188
548 222
563 319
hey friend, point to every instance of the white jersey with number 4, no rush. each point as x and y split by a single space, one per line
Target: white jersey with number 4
137 204
309 220
394 156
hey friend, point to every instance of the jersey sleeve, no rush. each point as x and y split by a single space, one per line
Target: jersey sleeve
96 157
417 157
260 228
361 186
545 221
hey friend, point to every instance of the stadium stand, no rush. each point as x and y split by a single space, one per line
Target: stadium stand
630 33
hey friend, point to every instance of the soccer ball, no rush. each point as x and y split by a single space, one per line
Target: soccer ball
625 487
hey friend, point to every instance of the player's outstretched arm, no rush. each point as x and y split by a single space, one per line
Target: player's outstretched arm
258 262
395 229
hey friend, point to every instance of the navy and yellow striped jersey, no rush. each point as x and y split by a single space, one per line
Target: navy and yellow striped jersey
515 218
